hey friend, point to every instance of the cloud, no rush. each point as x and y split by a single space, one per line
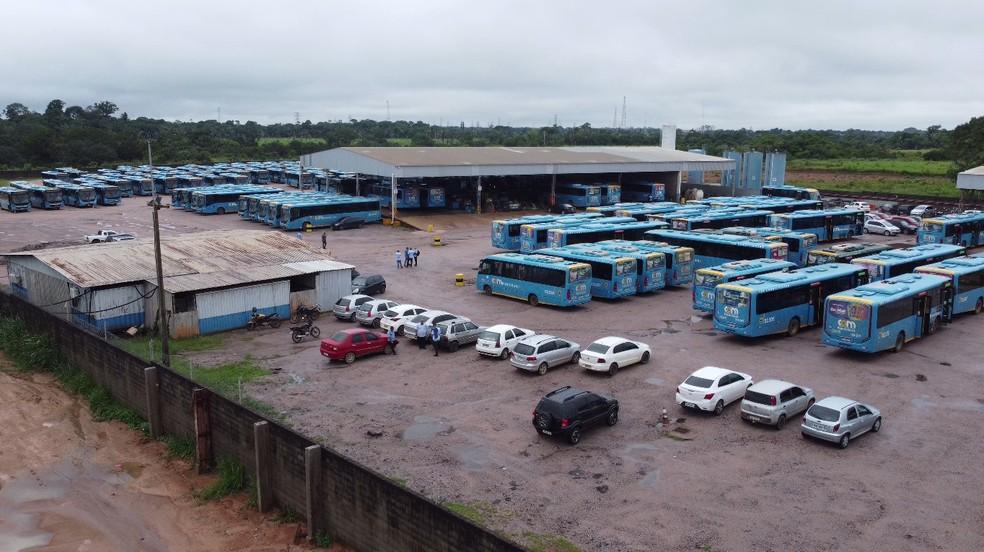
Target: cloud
838 64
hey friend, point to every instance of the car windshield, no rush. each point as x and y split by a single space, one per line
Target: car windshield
523 349
756 397
598 348
488 336
360 281
343 302
339 336
699 382
824 413
391 314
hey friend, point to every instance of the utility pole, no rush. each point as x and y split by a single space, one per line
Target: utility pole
623 112
155 203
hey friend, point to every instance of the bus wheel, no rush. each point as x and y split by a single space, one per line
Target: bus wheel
794 327
979 306
487 290
220 211
899 343
533 299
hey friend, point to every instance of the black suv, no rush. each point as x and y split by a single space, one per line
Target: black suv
567 411
371 284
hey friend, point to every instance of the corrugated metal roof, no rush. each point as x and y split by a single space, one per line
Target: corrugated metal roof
190 261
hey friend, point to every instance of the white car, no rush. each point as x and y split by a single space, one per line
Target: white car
397 316
712 388
608 354
862 205
429 318
920 210
878 226
498 340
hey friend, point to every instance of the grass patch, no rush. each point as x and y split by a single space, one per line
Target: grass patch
232 479
472 511
399 481
145 345
404 142
288 140
905 165
287 515
929 187
322 540
179 447
539 542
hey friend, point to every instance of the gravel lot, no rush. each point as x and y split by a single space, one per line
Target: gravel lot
457 428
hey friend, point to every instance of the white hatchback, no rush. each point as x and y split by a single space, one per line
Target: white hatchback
608 354
498 340
712 388
397 316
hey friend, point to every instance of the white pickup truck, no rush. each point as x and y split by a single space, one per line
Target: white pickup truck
108 236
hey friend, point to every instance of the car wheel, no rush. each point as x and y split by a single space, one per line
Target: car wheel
575 436
877 427
899 343
575 357
612 370
382 289
794 327
865 230
810 404
542 369
613 417
719 408
487 290
844 441
315 331
453 346
781 422
388 349
645 357
533 300
349 358
504 354
979 306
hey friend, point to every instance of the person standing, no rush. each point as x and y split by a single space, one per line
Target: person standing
416 253
324 240
391 339
422 333
410 257
399 258
435 337
406 257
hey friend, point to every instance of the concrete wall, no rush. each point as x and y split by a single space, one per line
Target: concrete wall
360 508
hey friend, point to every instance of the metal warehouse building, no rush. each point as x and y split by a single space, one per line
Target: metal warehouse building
212 280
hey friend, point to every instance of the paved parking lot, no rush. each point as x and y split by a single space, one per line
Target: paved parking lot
457 427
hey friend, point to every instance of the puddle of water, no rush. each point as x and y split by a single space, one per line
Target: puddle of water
953 404
473 458
655 381
425 428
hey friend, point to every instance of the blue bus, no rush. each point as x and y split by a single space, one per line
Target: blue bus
650 265
642 211
600 231
610 210
800 244
433 197
781 302
212 179
74 195
967 276
329 211
720 218
706 279
826 224
236 178
165 183
966 229
15 200
221 200
278 209
783 190
888 314
42 197
643 191
106 194
407 196
782 205
535 279
190 181
249 204
181 197
610 194
534 236
679 260
712 249
612 275
844 252
895 262
141 185
259 176
578 195
264 208
295 179
506 232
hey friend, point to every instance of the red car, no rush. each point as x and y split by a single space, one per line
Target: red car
348 344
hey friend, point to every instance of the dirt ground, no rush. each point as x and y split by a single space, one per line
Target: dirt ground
68 483
457 428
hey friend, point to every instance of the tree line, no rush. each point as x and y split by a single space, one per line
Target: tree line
100 134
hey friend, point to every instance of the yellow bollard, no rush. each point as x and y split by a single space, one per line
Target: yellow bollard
436 242
430 227
459 280
396 223
387 222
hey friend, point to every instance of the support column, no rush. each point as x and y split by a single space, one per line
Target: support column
200 398
312 484
553 189
478 197
152 392
261 450
393 198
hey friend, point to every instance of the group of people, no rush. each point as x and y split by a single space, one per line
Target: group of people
407 258
425 334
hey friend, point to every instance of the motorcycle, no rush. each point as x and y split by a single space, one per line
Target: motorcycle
297 333
257 319
305 313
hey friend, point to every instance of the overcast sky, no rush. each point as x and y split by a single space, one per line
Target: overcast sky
764 64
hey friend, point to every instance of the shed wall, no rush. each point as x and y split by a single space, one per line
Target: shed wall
231 308
40 285
333 285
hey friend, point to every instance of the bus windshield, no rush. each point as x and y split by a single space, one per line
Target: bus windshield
707 279
580 273
624 267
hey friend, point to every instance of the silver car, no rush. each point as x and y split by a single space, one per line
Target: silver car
537 353
457 332
371 312
839 420
345 307
772 402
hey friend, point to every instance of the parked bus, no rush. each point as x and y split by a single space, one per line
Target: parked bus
967 276
259 176
712 249
782 205
895 262
15 200
106 194
650 265
165 183
720 218
610 193
643 191
74 195
42 197
181 197
610 210
612 275
295 179
679 261
140 185
599 231
799 243
535 279
826 224
506 232
966 229
236 178
844 252
55 176
329 211
578 195
642 211
888 314
190 181
433 197
407 196
534 236
706 279
781 302
219 200
794 192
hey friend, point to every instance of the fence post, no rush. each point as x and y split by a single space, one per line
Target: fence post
152 387
203 429
261 449
312 484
